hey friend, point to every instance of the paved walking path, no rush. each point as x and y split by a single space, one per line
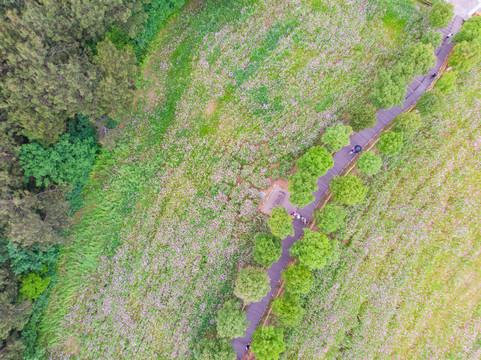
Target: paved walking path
341 160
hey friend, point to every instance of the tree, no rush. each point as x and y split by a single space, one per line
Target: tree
471 31
420 57
465 56
431 103
252 284
267 249
390 143
298 279
408 123
441 13
314 250
30 259
33 284
369 163
347 190
388 90
301 187
330 218
446 83
337 136
432 37
268 343
363 117
316 161
288 310
231 320
213 349
280 223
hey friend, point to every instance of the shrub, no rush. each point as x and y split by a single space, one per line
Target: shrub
369 163
298 279
388 90
316 161
267 249
288 310
337 136
268 343
465 56
435 38
330 218
431 103
251 284
446 83
213 349
390 143
33 284
280 223
314 250
441 13
363 117
407 123
231 320
301 187
347 190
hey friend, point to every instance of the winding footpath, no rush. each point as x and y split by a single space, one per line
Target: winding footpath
342 158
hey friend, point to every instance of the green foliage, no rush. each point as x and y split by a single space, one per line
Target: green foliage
408 123
288 310
441 13
465 56
330 218
280 223
470 31
301 187
390 143
363 117
337 136
347 190
30 259
316 161
298 279
431 103
314 250
251 284
388 90
214 349
34 284
369 163
417 59
267 249
435 38
231 320
446 83
268 343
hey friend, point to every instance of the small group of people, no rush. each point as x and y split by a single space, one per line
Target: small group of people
299 217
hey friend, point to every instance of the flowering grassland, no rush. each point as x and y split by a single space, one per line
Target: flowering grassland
233 87
408 283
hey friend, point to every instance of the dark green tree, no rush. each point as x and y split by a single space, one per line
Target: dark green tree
268 343
431 103
390 143
301 187
288 310
231 320
267 249
408 123
280 223
330 218
214 349
465 56
388 90
337 136
369 163
252 284
347 190
314 250
363 117
441 13
316 161
446 83
298 279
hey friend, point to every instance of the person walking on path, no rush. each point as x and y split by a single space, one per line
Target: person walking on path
355 149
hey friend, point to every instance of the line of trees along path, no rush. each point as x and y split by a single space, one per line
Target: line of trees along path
342 158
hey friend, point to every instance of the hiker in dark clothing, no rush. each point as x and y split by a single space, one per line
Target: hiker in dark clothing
356 149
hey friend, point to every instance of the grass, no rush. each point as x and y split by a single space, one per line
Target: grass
407 285
171 213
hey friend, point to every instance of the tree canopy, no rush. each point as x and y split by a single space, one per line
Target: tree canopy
268 343
288 310
301 187
446 83
416 60
214 349
465 56
408 123
431 103
388 90
330 218
441 13
470 31
314 250
337 136
363 117
316 161
280 223
231 320
347 190
267 249
369 163
432 37
390 143
252 284
298 279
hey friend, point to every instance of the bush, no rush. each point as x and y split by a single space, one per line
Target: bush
301 187
280 223
336 137
407 123
268 343
347 190
314 250
435 38
446 83
465 56
214 349
431 103
252 284
231 320
363 117
369 163
316 161
288 310
330 218
33 284
298 279
388 90
390 143
441 13
267 249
